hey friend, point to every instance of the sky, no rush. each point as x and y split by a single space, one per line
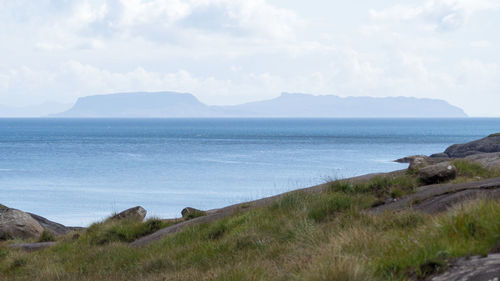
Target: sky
235 51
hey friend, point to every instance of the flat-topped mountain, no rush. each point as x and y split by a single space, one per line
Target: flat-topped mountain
171 104
160 104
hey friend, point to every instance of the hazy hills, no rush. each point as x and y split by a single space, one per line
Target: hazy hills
171 104
303 105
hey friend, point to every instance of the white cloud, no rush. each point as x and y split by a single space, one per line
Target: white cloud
161 21
440 14
232 51
397 12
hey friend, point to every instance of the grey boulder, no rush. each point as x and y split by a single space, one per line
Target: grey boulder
437 173
135 213
18 224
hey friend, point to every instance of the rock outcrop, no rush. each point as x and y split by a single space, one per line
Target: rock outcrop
489 144
50 226
419 161
437 173
135 213
18 224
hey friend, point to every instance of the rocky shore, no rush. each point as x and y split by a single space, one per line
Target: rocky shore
437 193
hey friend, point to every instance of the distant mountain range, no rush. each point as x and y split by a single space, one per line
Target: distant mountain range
171 104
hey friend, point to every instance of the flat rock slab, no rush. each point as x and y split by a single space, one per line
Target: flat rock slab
438 198
487 160
472 269
31 247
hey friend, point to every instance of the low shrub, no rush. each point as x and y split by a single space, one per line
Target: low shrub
122 231
47 237
18 263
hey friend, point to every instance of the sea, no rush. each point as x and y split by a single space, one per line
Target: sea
79 171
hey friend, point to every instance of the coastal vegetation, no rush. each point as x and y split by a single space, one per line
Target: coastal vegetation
469 171
327 235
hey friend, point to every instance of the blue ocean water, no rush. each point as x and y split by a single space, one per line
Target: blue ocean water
77 171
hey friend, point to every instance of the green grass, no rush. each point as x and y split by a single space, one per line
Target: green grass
278 242
468 231
470 171
122 230
379 186
301 236
329 205
494 135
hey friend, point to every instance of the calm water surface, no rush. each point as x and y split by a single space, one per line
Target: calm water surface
76 171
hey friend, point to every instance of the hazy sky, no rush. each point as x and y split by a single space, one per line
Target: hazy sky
234 51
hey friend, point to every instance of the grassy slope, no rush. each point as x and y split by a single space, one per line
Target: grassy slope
302 236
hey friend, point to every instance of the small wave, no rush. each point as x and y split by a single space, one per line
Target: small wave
387 161
132 155
223 161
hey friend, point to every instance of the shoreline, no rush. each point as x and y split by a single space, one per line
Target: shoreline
51 185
